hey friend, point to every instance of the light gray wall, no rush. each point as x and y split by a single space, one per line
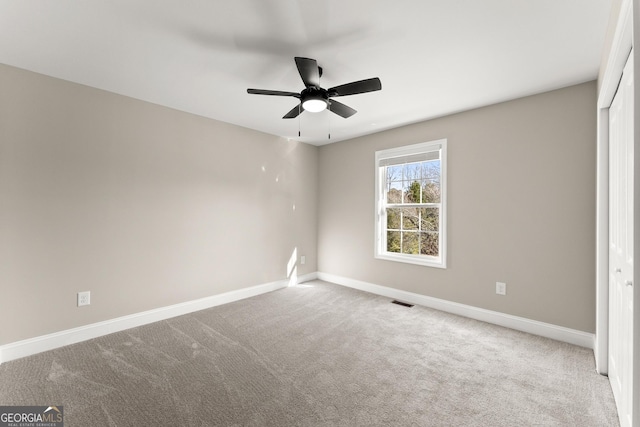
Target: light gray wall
521 188
147 206
142 205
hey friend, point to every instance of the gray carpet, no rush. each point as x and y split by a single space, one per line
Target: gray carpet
315 355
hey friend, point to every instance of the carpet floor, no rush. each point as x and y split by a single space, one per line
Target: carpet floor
315 354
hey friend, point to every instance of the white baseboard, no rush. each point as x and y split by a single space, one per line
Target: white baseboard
308 277
547 330
35 345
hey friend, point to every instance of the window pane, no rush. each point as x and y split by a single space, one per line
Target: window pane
429 219
393 218
412 171
431 181
393 241
429 244
431 169
431 191
410 219
394 173
394 193
412 191
410 243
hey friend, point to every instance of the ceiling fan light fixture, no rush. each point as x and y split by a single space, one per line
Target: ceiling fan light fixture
314 105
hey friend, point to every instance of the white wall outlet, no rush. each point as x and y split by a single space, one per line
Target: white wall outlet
501 288
303 259
84 298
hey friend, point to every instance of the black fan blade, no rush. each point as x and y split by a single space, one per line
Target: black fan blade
308 69
362 86
341 109
295 112
272 92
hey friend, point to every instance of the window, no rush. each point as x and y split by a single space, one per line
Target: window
411 204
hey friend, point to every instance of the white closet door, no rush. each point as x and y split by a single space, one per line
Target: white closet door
621 245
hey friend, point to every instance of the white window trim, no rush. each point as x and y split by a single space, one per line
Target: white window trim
380 251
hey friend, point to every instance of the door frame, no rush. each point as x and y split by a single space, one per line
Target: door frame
624 39
621 46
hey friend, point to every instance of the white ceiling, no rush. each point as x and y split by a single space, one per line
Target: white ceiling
434 57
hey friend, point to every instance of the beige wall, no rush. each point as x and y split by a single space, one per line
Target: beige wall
147 206
142 205
521 188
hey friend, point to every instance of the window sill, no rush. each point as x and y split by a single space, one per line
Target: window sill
413 259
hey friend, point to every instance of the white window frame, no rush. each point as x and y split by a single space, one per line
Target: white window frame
380 208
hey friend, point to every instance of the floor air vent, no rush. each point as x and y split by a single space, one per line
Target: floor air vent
404 304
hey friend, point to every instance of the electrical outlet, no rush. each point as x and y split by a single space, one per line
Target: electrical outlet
501 288
84 298
303 259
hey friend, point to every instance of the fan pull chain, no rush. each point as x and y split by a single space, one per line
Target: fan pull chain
329 120
299 112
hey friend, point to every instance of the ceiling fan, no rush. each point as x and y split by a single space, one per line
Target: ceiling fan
314 98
